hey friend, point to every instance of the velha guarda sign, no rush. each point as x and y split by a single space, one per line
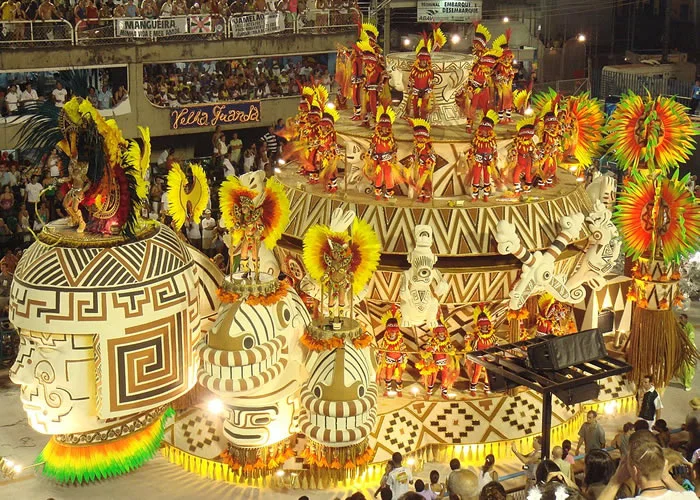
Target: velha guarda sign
211 115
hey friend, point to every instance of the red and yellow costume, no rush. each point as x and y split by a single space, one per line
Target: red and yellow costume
255 211
350 76
549 150
480 81
327 153
521 154
438 356
554 317
482 156
480 40
504 73
380 161
484 336
308 140
422 160
420 79
391 353
374 80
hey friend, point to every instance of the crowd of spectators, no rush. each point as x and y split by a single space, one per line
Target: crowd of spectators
179 84
16 95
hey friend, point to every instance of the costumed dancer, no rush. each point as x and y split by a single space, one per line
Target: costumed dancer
391 353
464 95
308 139
327 154
552 318
254 210
504 73
520 154
482 338
548 151
483 155
380 161
350 75
420 79
422 160
438 356
482 36
373 81
188 194
341 261
480 83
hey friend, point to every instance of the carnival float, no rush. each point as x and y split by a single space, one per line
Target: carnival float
409 232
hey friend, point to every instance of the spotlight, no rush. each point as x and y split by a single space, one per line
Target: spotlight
528 111
215 406
515 61
414 391
331 105
506 19
610 407
281 162
406 42
277 170
455 39
280 473
411 462
17 469
581 37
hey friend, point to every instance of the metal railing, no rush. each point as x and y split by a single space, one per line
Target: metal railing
195 27
36 33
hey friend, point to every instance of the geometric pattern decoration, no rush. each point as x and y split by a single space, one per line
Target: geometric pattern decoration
197 431
458 231
140 300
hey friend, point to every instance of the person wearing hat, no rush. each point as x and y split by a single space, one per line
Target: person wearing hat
521 154
440 350
309 138
422 160
381 157
480 40
482 338
391 353
481 81
483 156
694 411
421 76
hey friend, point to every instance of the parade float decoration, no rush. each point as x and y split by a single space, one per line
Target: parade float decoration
659 221
422 286
554 317
188 194
391 353
438 358
106 304
252 359
421 76
340 396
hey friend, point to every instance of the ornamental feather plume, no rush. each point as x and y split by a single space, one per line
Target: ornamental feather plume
185 199
584 135
492 115
332 112
496 52
652 132
370 29
520 99
419 122
545 102
365 46
528 120
392 313
439 38
658 217
363 246
480 309
483 31
500 41
388 111
321 93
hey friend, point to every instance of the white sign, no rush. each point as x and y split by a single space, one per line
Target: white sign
257 24
449 11
151 28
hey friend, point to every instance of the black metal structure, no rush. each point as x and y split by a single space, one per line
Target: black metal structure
510 361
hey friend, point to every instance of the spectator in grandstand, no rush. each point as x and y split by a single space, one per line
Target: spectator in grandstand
149 9
104 97
131 9
28 95
47 11
120 96
235 147
59 94
166 9
12 100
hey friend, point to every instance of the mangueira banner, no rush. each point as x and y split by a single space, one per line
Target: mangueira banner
211 115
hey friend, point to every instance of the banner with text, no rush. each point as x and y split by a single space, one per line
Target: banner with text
256 24
151 28
449 11
211 115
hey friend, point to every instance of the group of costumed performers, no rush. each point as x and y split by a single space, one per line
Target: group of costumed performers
254 210
438 356
554 318
381 165
422 160
421 76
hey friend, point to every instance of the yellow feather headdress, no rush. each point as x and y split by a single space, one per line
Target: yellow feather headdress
332 112
482 309
499 41
184 200
484 32
381 110
365 46
528 120
321 93
392 313
419 122
370 28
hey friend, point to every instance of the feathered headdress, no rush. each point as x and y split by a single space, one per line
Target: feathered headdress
371 30
526 126
385 115
481 313
520 99
368 52
419 126
490 58
321 95
330 114
392 313
187 199
489 119
585 137
502 43
481 35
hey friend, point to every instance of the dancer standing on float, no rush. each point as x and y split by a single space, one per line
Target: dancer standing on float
327 154
481 83
464 96
308 139
483 155
373 81
484 337
421 77
350 75
380 161
438 357
391 353
422 160
521 154
549 149
504 73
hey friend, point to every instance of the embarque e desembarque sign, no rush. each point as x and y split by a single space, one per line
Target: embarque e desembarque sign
211 115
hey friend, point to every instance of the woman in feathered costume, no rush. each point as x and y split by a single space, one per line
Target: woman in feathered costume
391 353
254 211
421 76
341 261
